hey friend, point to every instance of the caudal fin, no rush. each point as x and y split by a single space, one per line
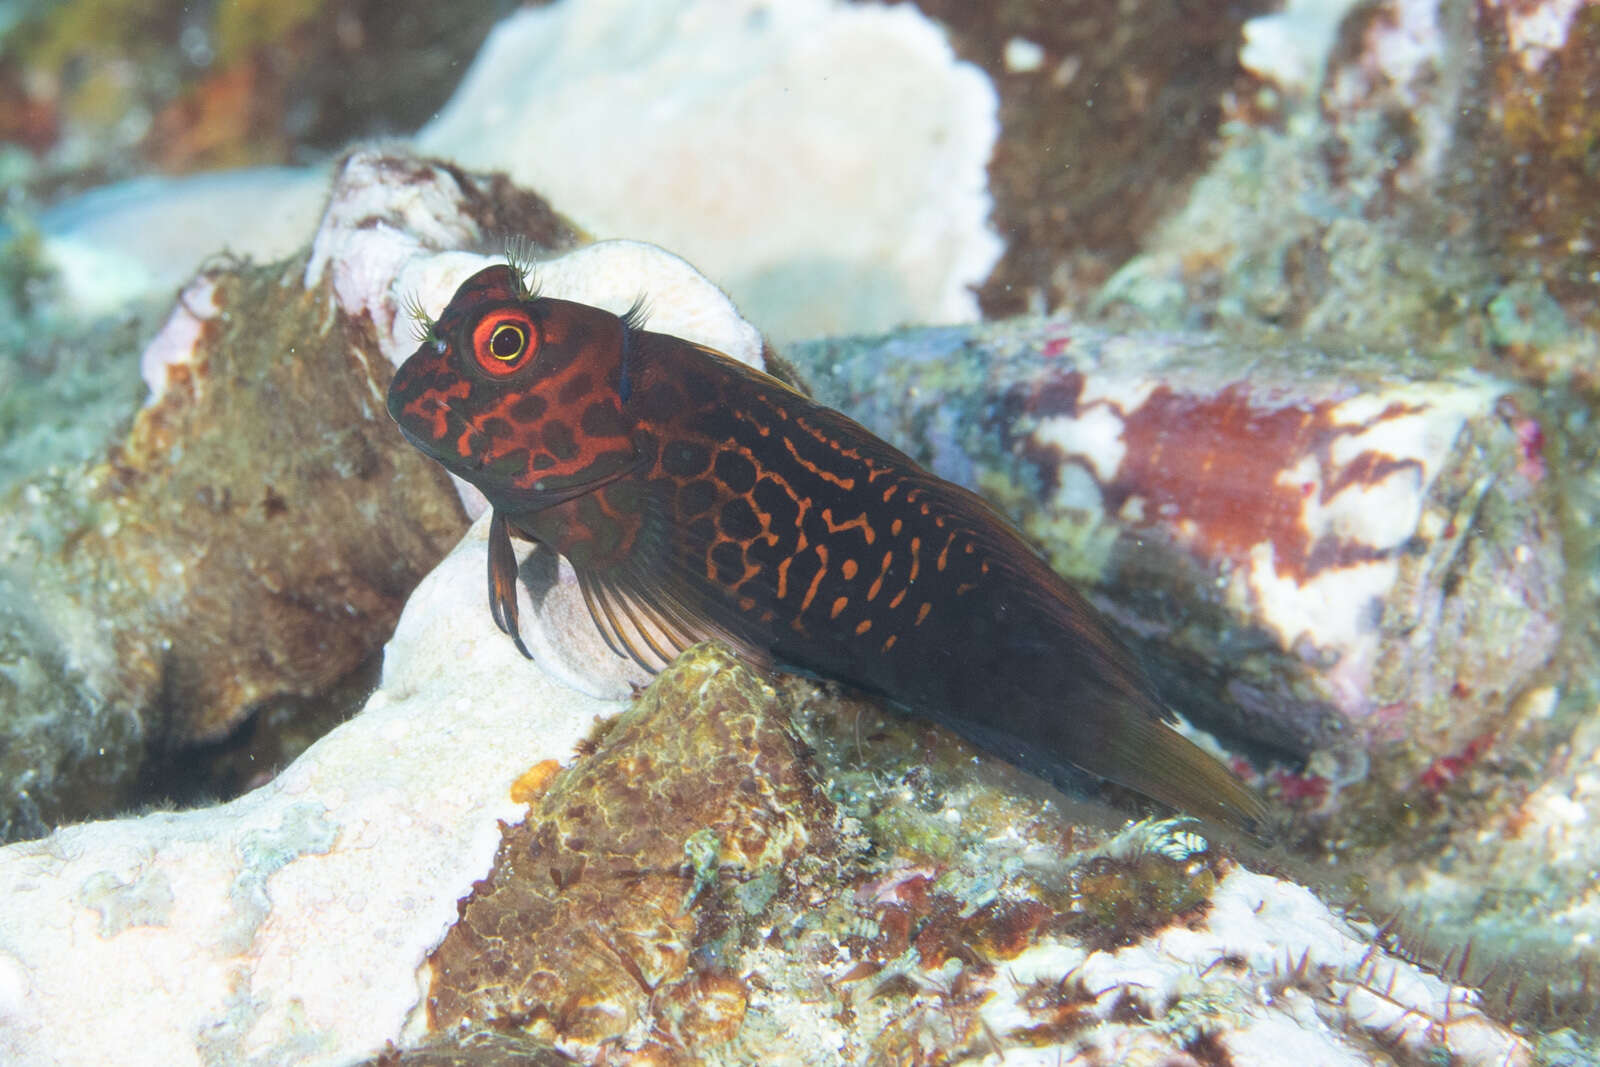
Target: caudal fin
1146 754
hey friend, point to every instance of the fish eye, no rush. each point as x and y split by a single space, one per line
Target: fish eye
507 341
504 340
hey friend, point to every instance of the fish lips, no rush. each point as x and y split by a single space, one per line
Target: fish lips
442 448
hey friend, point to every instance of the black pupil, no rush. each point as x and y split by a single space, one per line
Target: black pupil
506 342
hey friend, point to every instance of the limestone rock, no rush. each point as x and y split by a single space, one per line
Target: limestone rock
1401 175
290 924
823 161
1352 557
600 920
735 870
253 538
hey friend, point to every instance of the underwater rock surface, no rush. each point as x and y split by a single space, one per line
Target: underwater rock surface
255 535
225 553
1404 174
824 161
587 929
698 126
289 925
733 870
1333 555
756 919
1108 113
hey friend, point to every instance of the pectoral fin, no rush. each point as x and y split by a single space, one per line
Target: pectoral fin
642 619
503 580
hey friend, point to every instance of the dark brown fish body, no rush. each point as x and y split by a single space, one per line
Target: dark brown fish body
698 498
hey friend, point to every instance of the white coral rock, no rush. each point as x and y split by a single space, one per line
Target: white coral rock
826 162
292 924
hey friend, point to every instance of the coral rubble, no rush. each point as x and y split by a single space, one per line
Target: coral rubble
1327 555
856 204
289 924
1107 114
222 556
711 878
597 926
1407 175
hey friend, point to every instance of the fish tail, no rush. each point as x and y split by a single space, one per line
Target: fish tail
1145 754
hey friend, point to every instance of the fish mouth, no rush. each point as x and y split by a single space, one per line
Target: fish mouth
436 448
422 442
417 442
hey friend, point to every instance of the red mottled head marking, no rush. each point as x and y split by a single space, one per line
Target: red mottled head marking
517 393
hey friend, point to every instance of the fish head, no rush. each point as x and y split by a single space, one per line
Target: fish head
518 394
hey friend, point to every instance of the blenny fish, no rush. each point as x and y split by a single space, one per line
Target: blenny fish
700 499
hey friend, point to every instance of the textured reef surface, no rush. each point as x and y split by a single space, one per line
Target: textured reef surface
728 868
1302 392
251 540
774 901
289 925
1329 554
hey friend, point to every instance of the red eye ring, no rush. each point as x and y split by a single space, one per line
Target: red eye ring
503 341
